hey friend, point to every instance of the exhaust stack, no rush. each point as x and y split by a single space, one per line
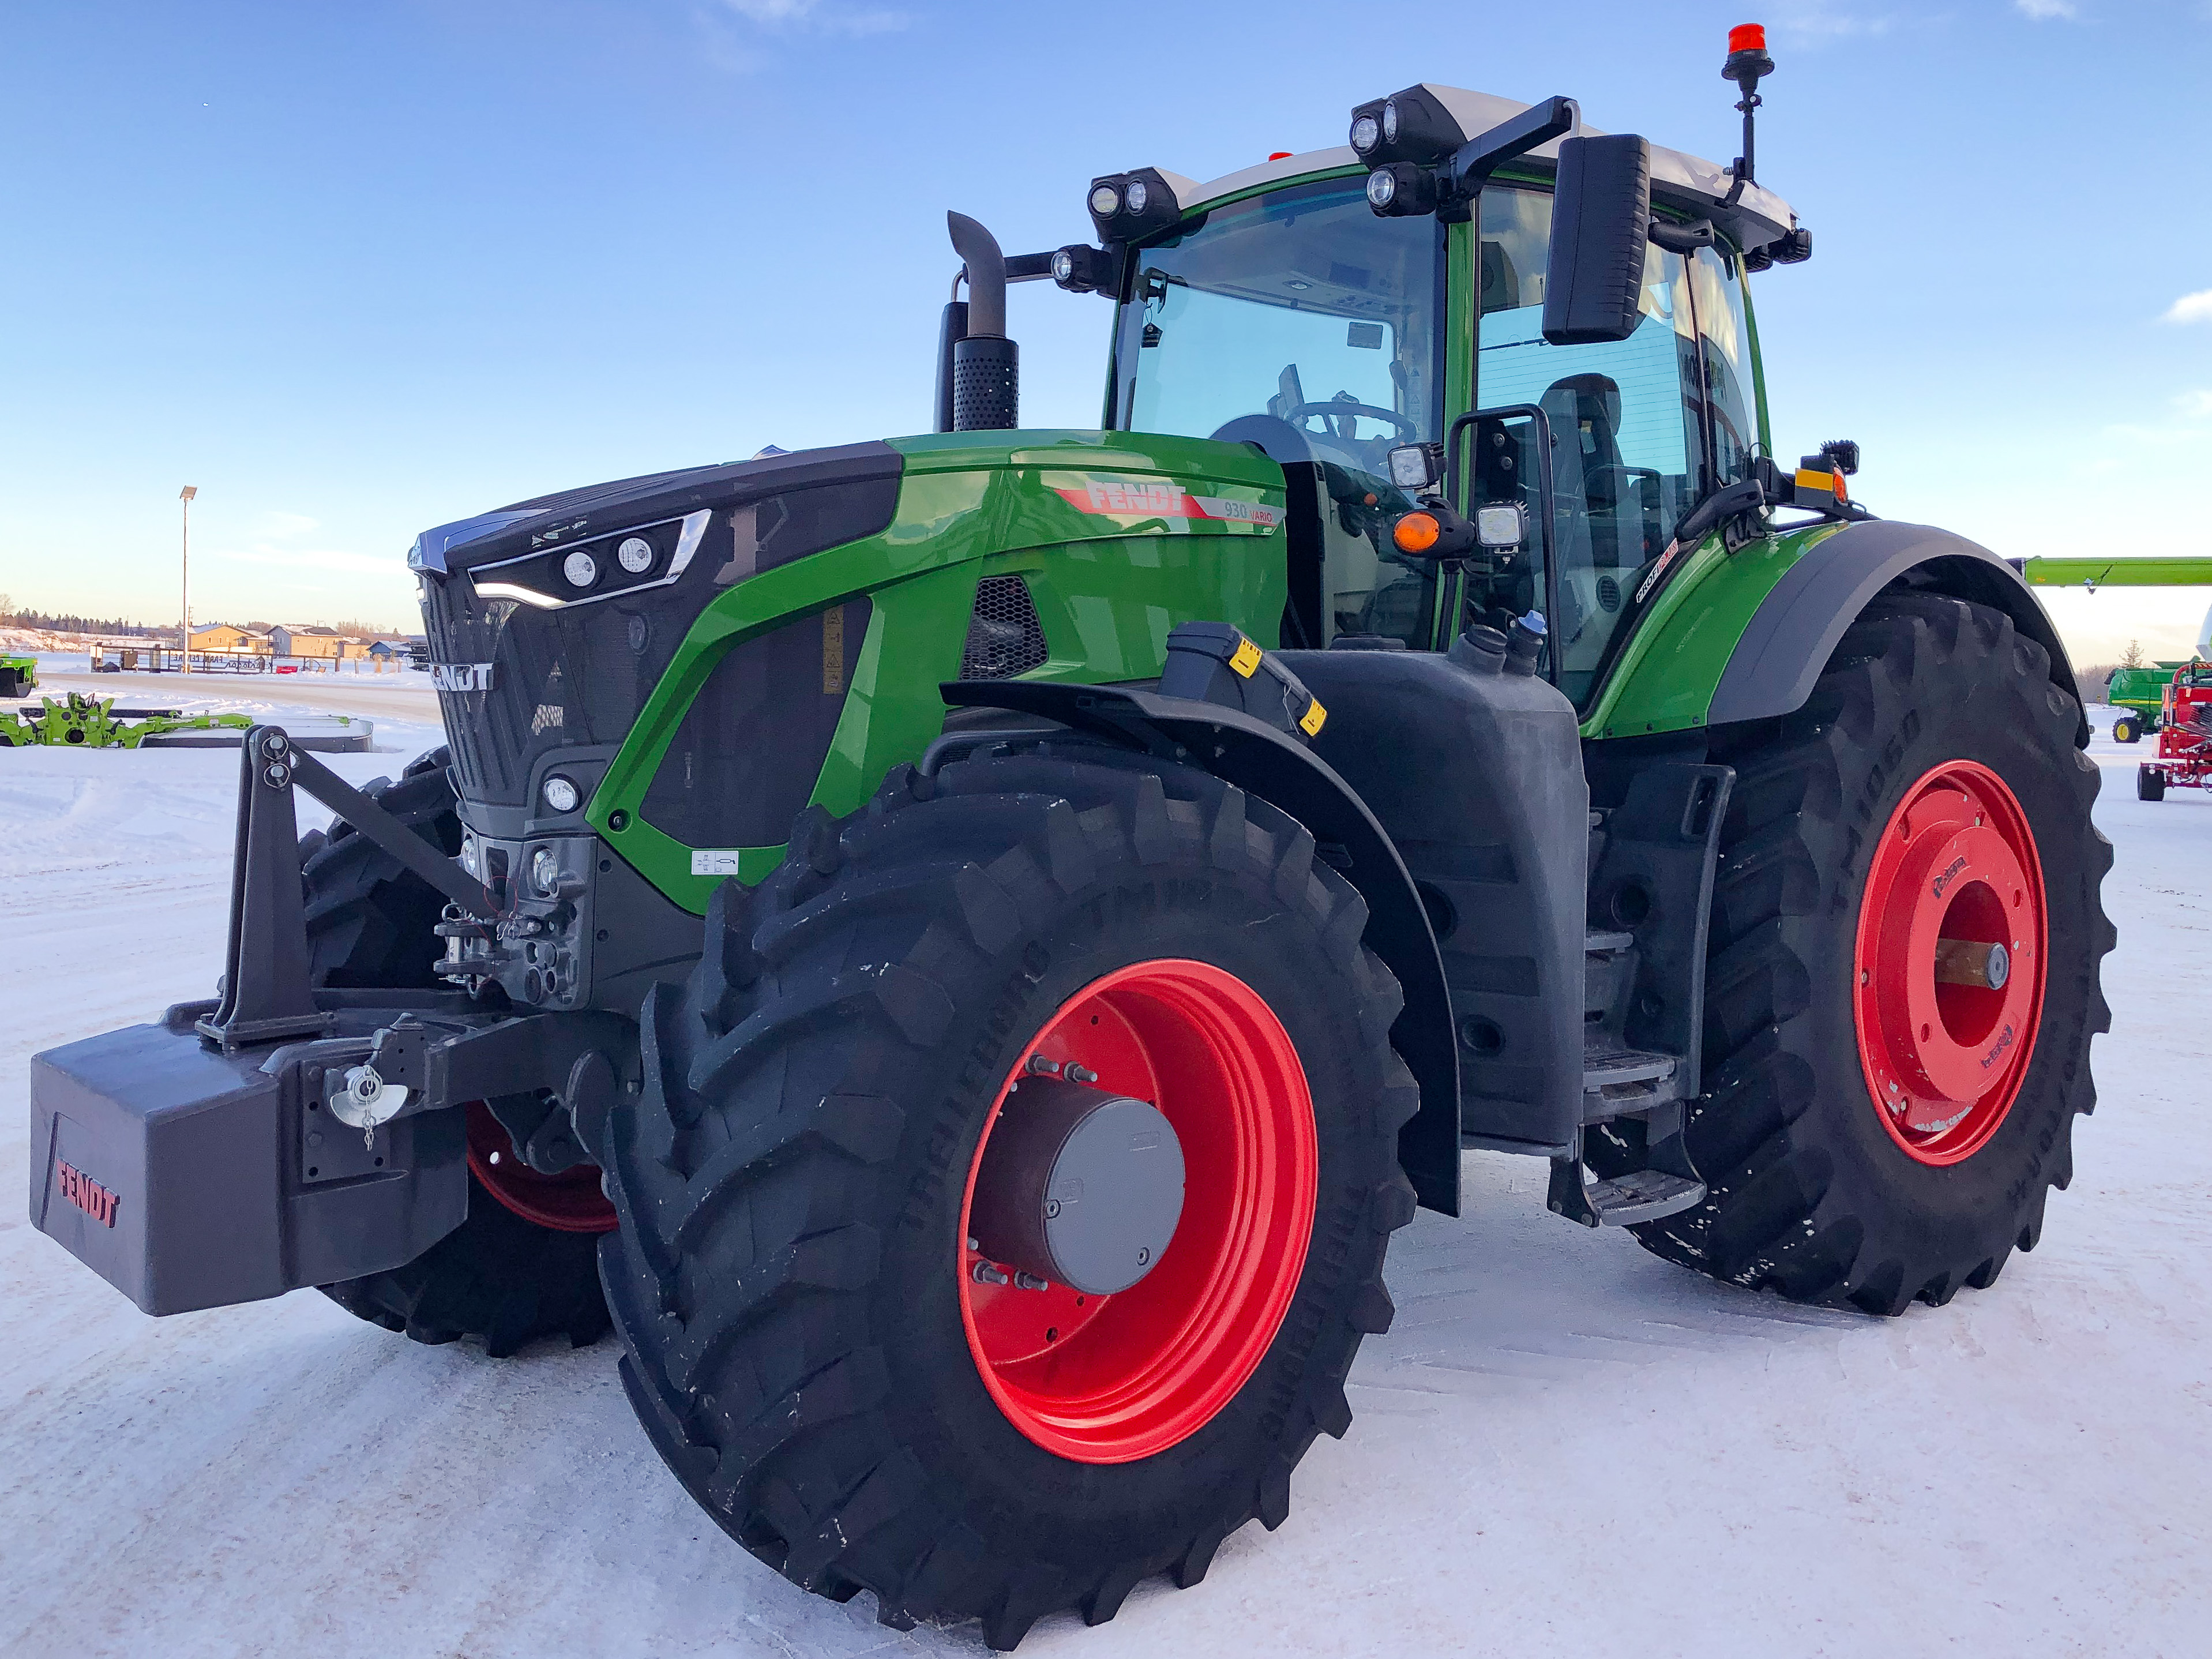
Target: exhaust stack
978 369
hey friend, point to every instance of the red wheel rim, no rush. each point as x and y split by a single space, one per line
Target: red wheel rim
1111 1379
570 1202
1945 1054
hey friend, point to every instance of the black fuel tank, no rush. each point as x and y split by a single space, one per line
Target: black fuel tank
1477 775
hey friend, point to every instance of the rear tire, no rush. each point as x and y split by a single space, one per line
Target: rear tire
1812 1192
2150 783
498 1276
787 1277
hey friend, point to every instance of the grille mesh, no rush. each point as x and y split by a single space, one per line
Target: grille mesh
1004 635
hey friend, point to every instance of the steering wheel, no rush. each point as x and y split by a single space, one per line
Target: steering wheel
1346 410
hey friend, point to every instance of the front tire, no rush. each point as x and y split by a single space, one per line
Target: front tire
2150 783
1934 718
524 1264
2126 728
793 1279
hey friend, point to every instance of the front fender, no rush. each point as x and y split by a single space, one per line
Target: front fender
1257 758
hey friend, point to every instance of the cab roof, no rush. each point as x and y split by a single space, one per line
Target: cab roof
1679 179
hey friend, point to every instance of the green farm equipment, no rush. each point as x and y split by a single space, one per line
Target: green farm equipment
18 675
963 949
2140 691
75 720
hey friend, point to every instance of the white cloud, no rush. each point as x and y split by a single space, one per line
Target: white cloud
283 526
2195 406
2042 9
2191 308
830 18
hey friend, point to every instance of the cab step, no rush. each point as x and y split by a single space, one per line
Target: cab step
1632 1196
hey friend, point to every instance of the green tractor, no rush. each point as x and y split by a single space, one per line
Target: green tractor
964 949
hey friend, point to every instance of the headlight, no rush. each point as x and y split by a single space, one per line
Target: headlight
1390 122
1140 194
471 857
1382 189
635 554
545 872
1105 200
561 794
580 569
1366 133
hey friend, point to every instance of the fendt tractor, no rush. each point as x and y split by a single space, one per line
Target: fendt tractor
964 948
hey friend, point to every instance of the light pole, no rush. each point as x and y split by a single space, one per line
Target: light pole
184 656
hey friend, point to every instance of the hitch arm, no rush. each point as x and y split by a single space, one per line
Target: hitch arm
268 993
387 832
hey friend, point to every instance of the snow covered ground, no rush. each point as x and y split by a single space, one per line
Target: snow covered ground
1564 1446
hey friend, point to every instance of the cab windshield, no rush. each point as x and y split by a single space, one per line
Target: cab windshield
1301 322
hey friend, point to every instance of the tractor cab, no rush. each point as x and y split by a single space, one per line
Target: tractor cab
1283 309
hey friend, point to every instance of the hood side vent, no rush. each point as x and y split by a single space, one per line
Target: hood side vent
1004 635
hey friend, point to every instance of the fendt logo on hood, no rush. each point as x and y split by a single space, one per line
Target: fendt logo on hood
461 676
88 1194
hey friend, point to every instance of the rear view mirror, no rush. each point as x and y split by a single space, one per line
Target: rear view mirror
1601 221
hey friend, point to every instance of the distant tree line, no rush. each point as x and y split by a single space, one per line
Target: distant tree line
11 618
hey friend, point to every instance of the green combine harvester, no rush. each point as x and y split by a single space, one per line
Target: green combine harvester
2140 691
963 949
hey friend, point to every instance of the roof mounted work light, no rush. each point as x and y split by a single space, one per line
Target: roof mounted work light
1406 127
1081 269
1446 182
1127 207
1402 190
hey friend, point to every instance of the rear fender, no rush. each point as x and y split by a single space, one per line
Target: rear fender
1782 652
1238 748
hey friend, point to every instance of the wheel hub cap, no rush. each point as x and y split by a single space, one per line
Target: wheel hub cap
1170 1091
1950 953
1078 1186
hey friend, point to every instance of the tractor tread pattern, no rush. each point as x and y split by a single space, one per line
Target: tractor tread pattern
750 1179
1780 1213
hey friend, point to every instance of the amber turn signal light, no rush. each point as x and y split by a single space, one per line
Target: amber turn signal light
1416 532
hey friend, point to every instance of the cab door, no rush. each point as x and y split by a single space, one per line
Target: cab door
1605 447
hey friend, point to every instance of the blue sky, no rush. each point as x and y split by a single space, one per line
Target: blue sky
353 270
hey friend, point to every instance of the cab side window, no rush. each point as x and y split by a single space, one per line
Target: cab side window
1724 355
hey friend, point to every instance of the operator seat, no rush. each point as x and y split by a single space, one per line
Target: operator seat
1584 411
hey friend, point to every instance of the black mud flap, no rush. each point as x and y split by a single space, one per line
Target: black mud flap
189 1178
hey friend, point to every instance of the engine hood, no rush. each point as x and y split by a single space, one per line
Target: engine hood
578 515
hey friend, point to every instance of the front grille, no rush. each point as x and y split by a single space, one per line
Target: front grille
1004 635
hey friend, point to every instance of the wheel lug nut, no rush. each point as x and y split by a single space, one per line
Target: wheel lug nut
1081 1074
987 1274
1030 1282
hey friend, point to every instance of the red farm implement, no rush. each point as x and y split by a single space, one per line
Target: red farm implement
2184 737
